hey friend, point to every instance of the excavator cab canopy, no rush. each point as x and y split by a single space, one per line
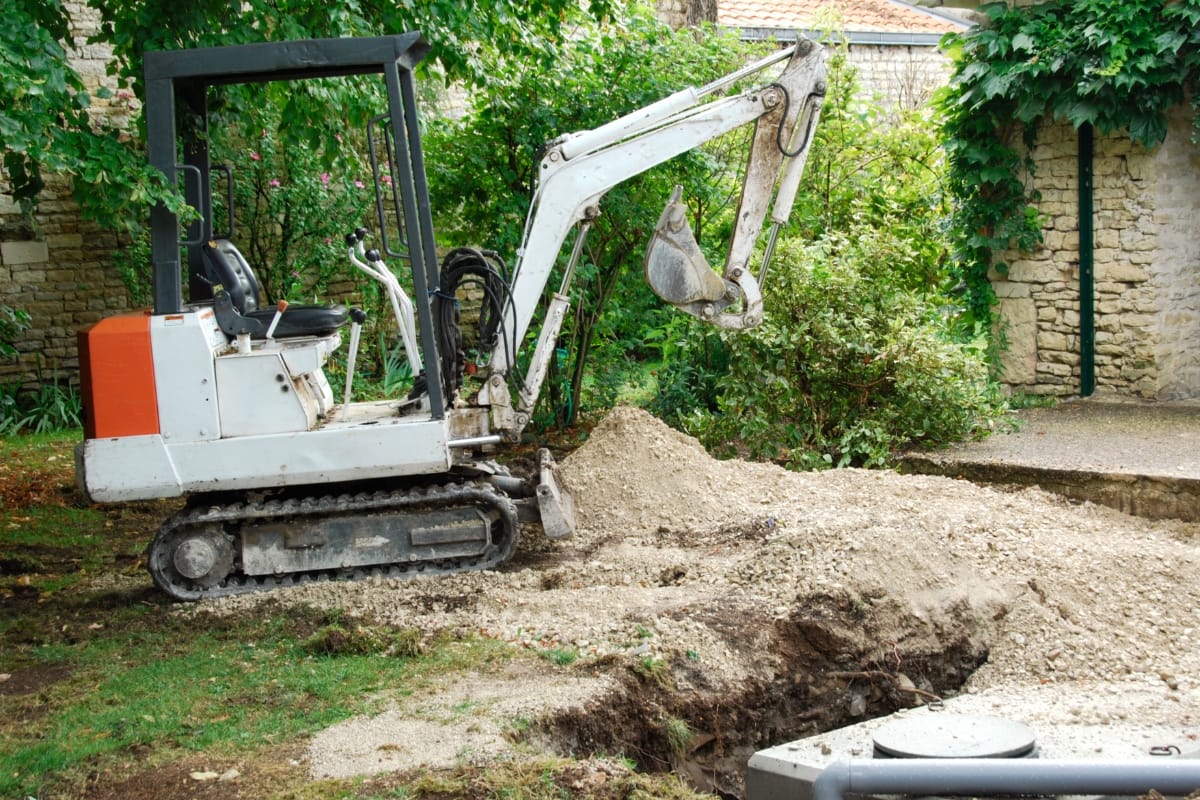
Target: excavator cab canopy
177 118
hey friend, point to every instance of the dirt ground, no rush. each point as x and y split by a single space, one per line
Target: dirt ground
707 609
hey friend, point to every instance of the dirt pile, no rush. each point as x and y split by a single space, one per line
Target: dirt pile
820 596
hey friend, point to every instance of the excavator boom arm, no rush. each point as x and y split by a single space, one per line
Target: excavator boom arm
579 169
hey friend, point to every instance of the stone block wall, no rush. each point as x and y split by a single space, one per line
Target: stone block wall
57 267
1175 277
900 77
1147 286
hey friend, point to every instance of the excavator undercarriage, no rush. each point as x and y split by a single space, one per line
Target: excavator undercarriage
233 545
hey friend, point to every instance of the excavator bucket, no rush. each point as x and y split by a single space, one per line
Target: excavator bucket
675 268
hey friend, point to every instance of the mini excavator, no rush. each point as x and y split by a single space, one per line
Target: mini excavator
223 401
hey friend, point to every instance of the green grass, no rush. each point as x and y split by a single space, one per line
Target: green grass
38 448
153 683
50 536
52 526
560 656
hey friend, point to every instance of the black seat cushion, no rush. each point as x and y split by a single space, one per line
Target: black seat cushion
297 320
236 302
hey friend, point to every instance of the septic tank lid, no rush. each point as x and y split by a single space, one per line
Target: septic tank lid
954 736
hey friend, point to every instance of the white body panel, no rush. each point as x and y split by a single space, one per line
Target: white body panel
184 377
258 396
251 420
142 467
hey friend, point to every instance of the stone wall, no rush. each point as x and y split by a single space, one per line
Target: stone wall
1175 279
1147 296
900 77
56 267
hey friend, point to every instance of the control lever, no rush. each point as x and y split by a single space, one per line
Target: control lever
357 318
282 307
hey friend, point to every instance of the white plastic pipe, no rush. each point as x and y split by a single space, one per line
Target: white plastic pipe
1005 776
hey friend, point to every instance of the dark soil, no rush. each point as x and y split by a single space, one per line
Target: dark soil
831 681
200 777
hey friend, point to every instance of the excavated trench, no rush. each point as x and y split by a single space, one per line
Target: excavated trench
670 715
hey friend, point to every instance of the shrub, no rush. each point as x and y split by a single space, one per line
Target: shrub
53 405
848 369
12 322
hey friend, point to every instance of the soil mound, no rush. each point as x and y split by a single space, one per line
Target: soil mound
743 598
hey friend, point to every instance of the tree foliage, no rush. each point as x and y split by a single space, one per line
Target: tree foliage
45 125
483 181
862 353
44 120
1113 64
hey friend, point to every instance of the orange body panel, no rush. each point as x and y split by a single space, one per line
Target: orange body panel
116 368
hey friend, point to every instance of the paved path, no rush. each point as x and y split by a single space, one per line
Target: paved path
1143 458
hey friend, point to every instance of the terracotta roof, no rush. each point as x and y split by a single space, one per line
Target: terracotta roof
874 16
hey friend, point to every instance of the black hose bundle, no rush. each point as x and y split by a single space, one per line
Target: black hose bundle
467 266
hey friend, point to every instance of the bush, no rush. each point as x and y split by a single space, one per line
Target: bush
848 369
12 322
54 405
694 357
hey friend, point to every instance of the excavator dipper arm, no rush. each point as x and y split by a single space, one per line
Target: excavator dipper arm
578 169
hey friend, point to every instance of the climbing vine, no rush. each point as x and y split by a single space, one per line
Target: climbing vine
1118 65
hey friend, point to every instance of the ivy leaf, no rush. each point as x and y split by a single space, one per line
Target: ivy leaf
1024 43
1169 42
1078 111
1149 129
996 85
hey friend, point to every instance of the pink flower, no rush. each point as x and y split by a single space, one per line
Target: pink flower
358 184
387 179
324 178
254 156
338 136
273 183
328 240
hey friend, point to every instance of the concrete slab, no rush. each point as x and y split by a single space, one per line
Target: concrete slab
1141 458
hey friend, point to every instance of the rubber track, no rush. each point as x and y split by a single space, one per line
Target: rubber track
454 494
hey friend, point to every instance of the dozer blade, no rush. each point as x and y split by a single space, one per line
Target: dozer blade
675 268
555 506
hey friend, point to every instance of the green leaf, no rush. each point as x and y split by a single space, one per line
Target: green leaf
1024 43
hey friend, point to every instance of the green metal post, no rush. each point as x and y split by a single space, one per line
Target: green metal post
1087 267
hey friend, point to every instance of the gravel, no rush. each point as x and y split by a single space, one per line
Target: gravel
674 546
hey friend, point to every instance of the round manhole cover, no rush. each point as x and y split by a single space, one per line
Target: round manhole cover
954 736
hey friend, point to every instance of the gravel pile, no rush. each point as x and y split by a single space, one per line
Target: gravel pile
680 553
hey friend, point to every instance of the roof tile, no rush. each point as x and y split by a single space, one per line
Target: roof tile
875 16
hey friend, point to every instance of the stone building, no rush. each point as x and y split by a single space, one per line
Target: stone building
57 267
892 44
1128 324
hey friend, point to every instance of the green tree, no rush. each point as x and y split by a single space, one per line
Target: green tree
483 181
863 351
44 120
871 167
45 125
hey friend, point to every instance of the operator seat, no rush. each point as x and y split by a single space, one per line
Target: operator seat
235 300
